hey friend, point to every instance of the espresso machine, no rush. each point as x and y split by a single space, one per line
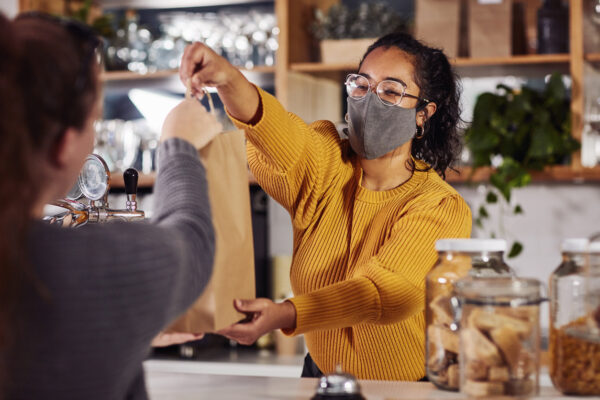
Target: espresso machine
87 201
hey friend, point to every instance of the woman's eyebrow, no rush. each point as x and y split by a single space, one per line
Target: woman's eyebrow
389 78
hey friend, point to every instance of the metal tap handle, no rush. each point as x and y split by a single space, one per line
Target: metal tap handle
130 177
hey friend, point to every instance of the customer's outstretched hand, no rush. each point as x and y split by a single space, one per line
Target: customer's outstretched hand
170 338
189 120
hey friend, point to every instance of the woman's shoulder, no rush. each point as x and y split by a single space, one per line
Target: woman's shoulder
435 190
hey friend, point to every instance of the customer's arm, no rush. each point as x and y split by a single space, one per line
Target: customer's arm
150 272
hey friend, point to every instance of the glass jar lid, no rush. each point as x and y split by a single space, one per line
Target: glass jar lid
500 291
471 245
574 245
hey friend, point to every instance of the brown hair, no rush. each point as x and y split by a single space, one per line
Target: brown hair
47 84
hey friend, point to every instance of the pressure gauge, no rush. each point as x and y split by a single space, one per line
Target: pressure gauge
94 177
75 192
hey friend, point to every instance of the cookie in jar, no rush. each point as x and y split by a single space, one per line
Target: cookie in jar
457 258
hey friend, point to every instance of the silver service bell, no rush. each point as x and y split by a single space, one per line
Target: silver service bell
338 385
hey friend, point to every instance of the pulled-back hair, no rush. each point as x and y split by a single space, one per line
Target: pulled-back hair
441 144
48 83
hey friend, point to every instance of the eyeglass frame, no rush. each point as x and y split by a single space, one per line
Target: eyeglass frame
422 101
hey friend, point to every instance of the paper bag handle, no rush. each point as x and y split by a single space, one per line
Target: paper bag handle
188 95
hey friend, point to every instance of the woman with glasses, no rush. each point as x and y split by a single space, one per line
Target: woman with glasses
79 307
366 211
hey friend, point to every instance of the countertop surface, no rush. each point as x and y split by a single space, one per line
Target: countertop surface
181 380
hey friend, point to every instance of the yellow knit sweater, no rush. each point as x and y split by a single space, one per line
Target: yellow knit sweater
360 256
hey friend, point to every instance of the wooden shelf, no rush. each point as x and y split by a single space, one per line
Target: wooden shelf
513 60
146 181
132 76
592 57
320 67
555 174
458 62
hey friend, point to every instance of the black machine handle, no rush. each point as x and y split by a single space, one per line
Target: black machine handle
130 177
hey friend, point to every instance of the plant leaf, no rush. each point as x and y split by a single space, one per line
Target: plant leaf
515 249
491 198
483 213
518 209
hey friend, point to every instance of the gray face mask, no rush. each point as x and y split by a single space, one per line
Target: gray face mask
375 129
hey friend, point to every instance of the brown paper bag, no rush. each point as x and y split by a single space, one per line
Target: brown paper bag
233 273
490 27
437 23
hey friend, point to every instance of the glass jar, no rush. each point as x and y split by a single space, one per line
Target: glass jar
499 343
458 258
575 319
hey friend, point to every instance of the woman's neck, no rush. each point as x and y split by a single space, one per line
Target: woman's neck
387 172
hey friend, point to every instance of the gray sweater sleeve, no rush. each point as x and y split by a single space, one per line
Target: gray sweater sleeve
99 294
135 276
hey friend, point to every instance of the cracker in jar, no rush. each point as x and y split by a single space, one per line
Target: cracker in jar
442 336
476 370
490 320
442 310
478 347
482 389
509 343
498 374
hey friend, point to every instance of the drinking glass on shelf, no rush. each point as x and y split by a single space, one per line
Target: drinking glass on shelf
117 143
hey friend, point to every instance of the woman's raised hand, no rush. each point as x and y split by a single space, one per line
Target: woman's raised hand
189 120
206 68
203 67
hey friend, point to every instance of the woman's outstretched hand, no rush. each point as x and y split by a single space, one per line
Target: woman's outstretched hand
265 316
203 67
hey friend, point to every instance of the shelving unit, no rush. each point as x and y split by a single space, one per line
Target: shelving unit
296 56
554 174
458 62
296 49
109 76
592 57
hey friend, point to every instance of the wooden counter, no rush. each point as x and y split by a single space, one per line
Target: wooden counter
178 380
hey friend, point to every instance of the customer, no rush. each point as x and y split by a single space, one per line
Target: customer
366 211
81 306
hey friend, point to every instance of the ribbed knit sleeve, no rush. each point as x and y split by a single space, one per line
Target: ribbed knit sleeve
100 293
390 286
292 161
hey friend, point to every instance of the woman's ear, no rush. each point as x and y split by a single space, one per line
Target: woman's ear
426 113
71 148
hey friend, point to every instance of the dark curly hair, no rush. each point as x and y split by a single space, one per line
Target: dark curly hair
441 142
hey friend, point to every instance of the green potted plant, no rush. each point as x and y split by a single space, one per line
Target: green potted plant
345 34
517 131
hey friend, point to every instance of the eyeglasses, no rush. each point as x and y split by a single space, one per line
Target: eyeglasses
83 35
389 92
